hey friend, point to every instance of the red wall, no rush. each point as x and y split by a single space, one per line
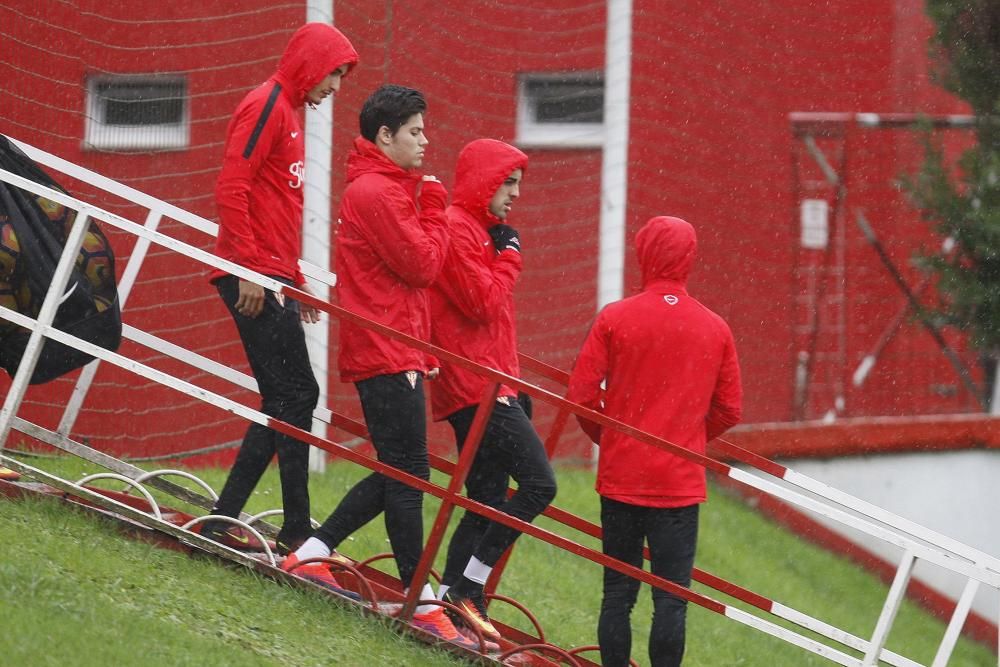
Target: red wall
712 87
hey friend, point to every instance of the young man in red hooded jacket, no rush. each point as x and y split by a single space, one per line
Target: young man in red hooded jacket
670 368
472 308
259 196
391 241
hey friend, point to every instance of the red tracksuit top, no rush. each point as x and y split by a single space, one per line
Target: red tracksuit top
472 301
671 370
388 251
259 190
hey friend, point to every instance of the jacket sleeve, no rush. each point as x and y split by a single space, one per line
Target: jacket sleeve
726 408
589 371
477 287
412 243
240 165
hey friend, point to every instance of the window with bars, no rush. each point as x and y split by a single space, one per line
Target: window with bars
561 109
137 112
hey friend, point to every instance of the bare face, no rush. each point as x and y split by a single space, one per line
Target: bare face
328 86
505 195
406 146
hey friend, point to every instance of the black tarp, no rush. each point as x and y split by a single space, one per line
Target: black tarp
33 231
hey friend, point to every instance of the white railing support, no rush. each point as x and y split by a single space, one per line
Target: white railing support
125 285
890 609
46 315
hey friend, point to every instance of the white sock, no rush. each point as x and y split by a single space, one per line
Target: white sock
442 589
426 593
477 571
313 548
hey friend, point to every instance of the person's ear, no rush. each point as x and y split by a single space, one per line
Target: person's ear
384 135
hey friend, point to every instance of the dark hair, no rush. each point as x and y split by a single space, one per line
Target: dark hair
390 106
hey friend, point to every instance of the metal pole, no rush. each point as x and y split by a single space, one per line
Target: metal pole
316 230
958 618
889 609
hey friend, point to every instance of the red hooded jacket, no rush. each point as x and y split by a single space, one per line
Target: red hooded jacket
259 191
472 301
671 370
390 247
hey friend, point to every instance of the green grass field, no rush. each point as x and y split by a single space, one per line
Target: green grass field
73 590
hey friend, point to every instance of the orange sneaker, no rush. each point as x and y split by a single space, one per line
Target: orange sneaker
318 573
474 605
437 623
8 475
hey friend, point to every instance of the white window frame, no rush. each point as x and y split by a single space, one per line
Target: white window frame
533 134
164 136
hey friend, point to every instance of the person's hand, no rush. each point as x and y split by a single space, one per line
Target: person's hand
308 314
432 194
433 373
505 238
250 302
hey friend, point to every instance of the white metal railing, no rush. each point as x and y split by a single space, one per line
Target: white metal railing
157 210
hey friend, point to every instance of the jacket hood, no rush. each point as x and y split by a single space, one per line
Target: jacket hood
315 50
483 166
666 248
366 158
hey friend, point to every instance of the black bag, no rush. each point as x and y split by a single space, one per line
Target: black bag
33 231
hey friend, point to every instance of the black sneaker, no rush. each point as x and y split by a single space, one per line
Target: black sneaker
474 605
211 530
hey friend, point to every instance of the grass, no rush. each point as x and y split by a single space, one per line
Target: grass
79 593
73 591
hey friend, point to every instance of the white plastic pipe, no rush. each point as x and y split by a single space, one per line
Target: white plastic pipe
614 159
614 163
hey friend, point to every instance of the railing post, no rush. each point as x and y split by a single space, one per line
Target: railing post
955 624
46 315
465 459
125 286
889 610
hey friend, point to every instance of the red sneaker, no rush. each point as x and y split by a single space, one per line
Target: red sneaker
437 623
318 573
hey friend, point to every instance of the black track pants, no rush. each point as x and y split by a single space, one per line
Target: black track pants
672 534
395 414
275 346
510 449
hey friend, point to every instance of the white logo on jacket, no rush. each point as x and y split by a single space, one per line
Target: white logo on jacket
670 299
297 169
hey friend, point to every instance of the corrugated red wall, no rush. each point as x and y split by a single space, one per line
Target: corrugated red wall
712 86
